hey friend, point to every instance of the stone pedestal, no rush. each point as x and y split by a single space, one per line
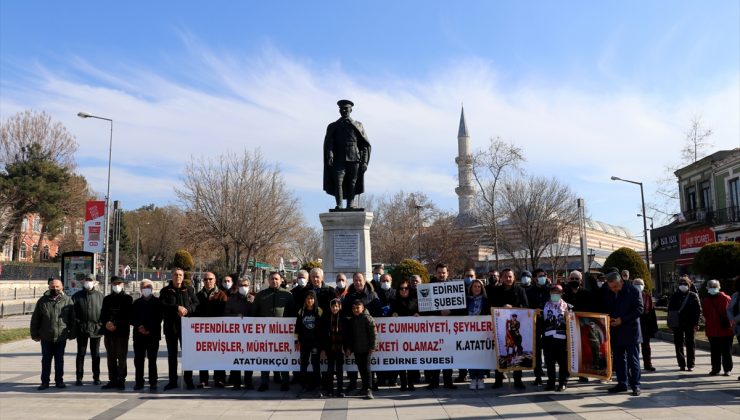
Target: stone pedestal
346 244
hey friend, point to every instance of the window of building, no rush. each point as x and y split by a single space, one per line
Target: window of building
706 196
733 192
66 229
78 229
24 224
22 252
691 198
34 250
44 253
37 224
8 250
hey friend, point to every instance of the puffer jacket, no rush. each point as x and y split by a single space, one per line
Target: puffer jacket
53 320
88 304
360 334
274 302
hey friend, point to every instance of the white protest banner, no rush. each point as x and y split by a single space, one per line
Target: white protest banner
402 343
440 296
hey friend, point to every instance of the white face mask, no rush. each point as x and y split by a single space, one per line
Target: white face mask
117 288
541 280
713 290
526 281
146 292
243 290
385 285
302 282
599 284
341 284
227 285
88 285
640 287
683 288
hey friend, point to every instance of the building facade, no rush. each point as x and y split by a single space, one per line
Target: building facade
709 191
26 242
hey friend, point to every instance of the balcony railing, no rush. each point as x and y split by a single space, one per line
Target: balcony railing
726 215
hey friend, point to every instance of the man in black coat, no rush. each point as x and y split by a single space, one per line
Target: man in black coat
538 294
146 320
432 376
509 295
623 303
87 303
178 301
116 318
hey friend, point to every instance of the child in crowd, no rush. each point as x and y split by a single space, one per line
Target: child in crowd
334 348
309 331
360 340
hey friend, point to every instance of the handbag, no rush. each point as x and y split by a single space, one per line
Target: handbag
674 320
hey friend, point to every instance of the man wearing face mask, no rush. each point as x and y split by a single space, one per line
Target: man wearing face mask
386 293
87 303
227 285
146 320
211 303
623 304
509 295
324 293
378 271
116 318
52 324
340 289
687 304
178 301
538 294
301 285
241 304
274 302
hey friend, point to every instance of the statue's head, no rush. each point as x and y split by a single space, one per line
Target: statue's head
345 107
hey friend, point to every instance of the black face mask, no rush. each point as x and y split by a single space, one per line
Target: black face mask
53 292
574 284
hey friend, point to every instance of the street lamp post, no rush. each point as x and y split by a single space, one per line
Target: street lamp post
651 220
644 218
107 195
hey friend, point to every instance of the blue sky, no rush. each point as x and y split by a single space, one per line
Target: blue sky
588 89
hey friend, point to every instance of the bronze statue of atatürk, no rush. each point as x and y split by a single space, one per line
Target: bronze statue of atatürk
346 155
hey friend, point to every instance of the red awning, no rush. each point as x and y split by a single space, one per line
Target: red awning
685 259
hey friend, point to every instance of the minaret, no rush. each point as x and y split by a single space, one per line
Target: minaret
465 190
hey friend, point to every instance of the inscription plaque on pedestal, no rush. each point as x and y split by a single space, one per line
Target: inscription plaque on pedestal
346 250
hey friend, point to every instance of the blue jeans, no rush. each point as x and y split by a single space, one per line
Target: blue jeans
627 365
51 350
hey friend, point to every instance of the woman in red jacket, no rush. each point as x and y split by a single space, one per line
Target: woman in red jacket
719 331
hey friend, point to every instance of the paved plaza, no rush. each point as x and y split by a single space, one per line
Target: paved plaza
667 393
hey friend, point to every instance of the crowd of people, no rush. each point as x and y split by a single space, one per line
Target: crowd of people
339 320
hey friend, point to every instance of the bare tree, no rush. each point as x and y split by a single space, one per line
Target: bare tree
305 244
696 146
491 167
241 202
538 210
445 242
399 219
36 161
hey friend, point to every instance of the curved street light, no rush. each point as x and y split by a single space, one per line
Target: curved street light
644 218
107 194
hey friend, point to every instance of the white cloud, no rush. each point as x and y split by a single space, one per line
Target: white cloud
282 105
